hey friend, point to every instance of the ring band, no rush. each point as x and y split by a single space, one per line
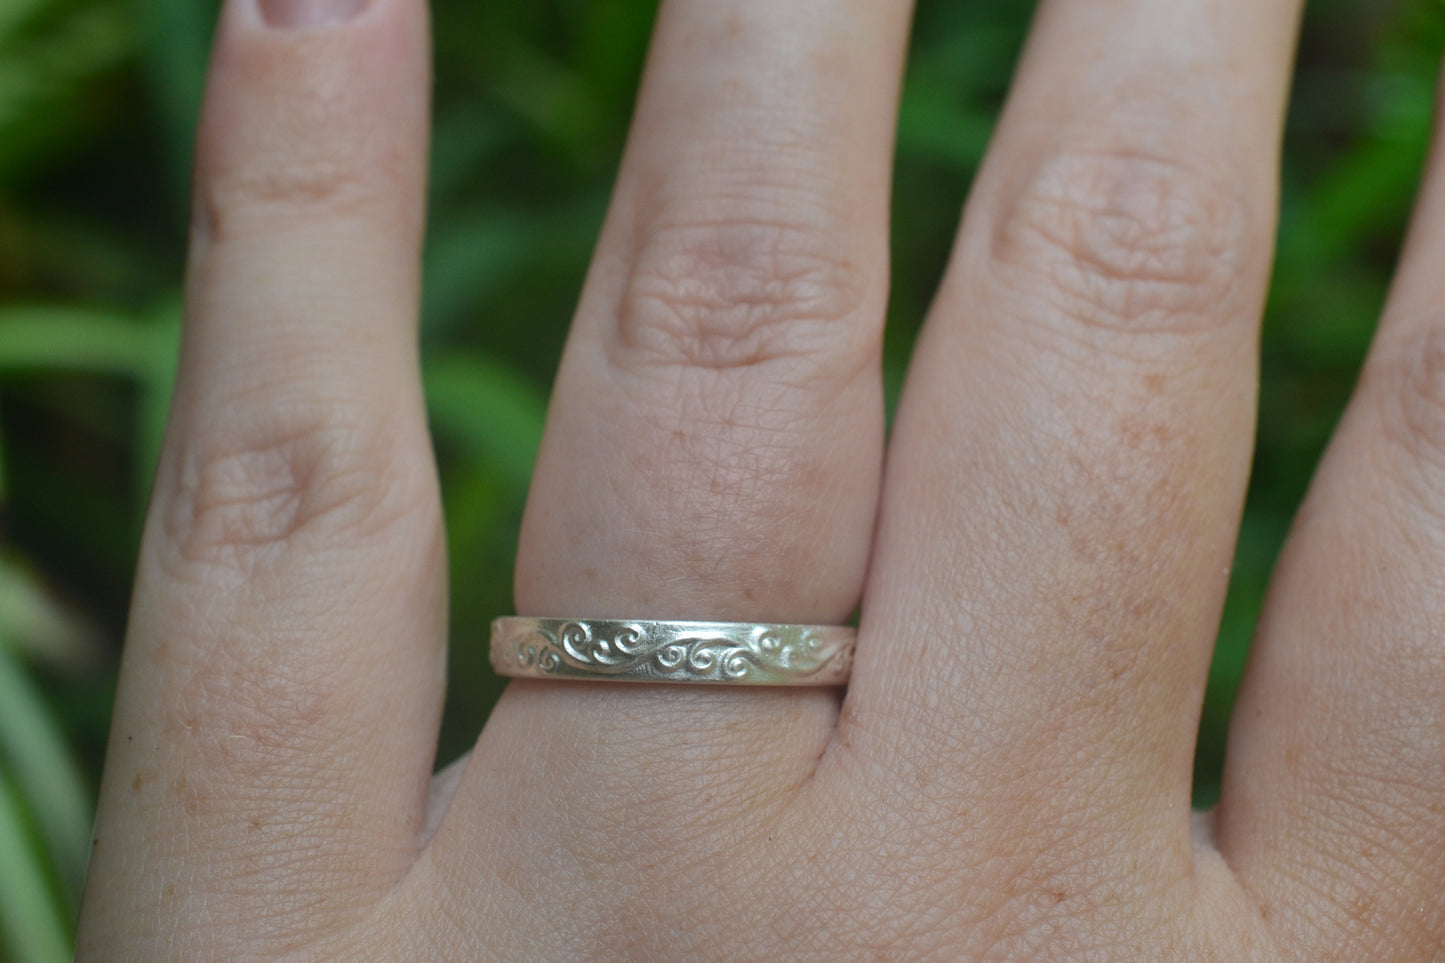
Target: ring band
641 650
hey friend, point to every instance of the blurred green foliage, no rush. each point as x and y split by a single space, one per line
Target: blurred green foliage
98 100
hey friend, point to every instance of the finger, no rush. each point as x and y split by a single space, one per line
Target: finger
723 370
715 438
272 738
1074 439
1336 764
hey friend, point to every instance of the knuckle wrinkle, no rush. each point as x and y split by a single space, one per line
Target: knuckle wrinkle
1125 241
732 295
306 152
237 506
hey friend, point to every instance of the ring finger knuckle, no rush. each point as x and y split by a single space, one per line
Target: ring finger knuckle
727 295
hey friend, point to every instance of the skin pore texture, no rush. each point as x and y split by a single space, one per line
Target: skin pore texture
1039 556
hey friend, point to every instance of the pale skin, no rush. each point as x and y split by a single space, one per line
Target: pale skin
1040 559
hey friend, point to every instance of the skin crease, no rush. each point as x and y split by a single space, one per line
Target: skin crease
1039 558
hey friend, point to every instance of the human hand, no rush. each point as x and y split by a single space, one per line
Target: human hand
1008 776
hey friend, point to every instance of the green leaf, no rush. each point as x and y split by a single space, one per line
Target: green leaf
33 623
34 748
177 41
462 139
14 14
931 125
551 96
157 385
32 927
487 411
473 254
467 258
77 339
48 78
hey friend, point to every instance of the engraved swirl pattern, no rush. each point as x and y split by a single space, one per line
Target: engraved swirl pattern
674 652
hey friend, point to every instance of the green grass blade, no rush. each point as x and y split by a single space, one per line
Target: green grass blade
15 13
32 928
34 624
34 749
75 339
48 80
487 411
177 42
155 401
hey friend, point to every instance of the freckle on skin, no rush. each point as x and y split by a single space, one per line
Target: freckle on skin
732 27
1361 908
181 789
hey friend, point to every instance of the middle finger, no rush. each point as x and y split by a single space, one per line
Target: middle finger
1071 452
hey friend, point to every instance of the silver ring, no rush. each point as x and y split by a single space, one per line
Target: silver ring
641 650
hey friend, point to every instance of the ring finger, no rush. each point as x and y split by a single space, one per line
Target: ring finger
714 446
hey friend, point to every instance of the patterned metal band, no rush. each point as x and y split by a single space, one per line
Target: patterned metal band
638 650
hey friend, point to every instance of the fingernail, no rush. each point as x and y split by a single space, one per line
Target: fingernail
309 13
